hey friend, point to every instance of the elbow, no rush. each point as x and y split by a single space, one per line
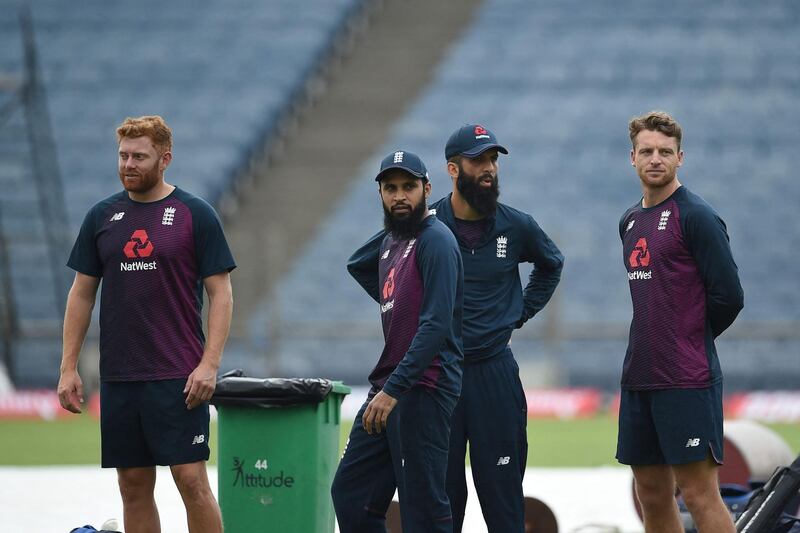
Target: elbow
354 270
740 300
735 302
557 266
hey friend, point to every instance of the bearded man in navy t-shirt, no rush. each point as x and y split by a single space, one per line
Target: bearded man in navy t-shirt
155 247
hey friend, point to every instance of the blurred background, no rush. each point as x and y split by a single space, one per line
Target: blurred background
281 112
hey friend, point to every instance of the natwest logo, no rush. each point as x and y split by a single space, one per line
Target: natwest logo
139 245
388 285
640 256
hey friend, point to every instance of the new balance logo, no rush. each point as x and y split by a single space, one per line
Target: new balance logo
169 216
385 254
503 461
630 224
116 216
502 245
198 439
398 157
692 443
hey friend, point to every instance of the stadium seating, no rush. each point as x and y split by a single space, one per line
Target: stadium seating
557 82
220 73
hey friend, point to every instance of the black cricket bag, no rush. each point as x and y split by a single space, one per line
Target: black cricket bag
765 510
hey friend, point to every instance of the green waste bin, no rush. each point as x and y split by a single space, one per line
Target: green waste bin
277 453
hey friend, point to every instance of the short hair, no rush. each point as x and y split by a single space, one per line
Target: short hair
152 126
659 121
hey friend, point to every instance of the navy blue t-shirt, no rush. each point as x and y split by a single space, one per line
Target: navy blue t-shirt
494 300
152 258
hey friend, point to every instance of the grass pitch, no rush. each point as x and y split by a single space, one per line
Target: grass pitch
551 443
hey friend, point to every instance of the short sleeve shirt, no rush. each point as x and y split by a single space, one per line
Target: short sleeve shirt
152 258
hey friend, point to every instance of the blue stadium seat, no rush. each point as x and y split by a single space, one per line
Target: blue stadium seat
220 74
557 81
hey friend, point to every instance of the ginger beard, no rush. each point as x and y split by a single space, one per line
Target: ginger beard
140 180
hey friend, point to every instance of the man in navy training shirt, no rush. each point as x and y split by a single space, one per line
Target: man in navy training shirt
491 414
685 292
155 247
400 434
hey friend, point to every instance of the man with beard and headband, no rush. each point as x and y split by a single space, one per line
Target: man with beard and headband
155 247
685 292
492 412
400 435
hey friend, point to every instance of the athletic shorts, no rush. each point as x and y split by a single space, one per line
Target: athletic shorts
146 423
672 426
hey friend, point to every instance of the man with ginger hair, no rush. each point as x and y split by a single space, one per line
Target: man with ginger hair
156 247
685 292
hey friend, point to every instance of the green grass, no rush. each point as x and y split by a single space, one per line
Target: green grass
76 440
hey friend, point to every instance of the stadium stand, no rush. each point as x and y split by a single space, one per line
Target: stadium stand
557 81
195 63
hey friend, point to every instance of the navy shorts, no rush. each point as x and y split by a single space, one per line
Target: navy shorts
671 426
146 423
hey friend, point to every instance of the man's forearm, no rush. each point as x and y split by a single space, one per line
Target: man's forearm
220 311
77 317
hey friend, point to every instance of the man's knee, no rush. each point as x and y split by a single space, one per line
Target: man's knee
655 491
336 492
343 504
698 484
136 484
192 482
699 494
351 511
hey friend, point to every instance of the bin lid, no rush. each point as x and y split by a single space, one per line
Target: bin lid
234 388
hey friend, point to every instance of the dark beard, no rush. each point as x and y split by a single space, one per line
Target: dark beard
405 228
482 200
